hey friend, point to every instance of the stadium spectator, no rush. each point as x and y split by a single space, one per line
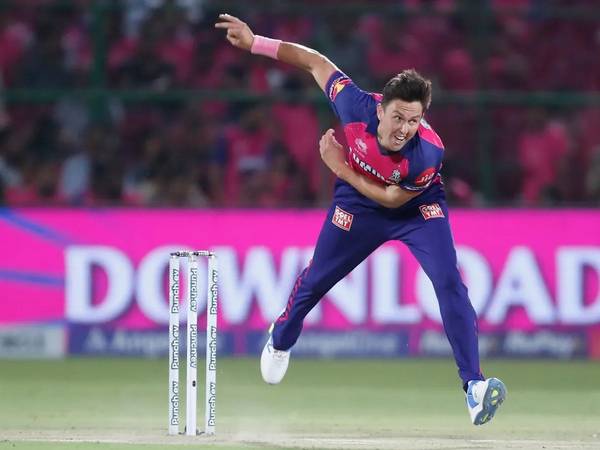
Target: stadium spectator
146 68
15 37
592 181
540 148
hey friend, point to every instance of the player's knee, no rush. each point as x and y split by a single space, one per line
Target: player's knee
449 282
310 293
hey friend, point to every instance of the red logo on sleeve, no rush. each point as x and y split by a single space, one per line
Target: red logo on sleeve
432 211
425 177
337 86
342 219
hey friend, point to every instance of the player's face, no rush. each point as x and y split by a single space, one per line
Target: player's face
398 122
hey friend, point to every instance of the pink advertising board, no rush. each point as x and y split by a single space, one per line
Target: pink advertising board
528 273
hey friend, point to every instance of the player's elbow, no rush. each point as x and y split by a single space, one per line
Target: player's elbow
315 60
391 201
395 203
321 68
396 197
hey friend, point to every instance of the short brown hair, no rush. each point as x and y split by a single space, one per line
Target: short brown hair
409 86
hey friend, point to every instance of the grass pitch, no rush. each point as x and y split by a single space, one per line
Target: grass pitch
106 404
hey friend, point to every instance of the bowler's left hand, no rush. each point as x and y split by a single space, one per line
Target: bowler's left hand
332 152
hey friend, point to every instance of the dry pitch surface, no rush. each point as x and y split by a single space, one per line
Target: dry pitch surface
121 404
225 440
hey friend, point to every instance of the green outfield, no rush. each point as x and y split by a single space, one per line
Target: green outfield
413 404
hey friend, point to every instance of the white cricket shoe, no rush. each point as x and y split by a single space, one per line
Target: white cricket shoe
484 398
273 363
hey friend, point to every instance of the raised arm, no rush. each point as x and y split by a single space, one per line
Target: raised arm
240 35
333 155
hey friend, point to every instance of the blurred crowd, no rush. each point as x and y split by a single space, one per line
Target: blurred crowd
215 126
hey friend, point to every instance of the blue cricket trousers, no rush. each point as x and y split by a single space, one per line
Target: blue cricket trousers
339 251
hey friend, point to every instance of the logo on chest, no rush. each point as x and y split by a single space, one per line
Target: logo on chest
361 145
432 211
342 219
395 177
399 173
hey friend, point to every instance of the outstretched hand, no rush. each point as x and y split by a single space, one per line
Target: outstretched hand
332 152
239 33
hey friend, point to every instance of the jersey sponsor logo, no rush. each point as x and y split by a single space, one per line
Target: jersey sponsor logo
432 211
337 86
361 146
342 219
366 167
425 177
395 177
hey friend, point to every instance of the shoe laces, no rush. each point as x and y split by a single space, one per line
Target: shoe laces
279 355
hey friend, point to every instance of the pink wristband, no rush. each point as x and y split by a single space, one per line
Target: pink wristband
265 46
